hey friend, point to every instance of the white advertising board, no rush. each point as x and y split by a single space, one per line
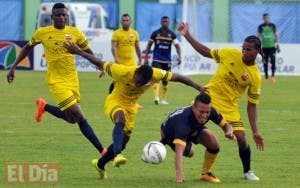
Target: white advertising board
287 61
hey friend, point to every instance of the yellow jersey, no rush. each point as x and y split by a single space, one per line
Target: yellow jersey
233 77
125 88
126 45
60 63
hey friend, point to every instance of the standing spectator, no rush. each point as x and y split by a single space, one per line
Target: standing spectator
270 45
163 38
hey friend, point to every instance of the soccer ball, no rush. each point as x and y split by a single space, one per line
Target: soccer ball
154 152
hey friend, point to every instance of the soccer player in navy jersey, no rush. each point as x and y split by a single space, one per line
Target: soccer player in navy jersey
163 39
185 126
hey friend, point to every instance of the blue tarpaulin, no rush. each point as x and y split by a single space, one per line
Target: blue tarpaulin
11 19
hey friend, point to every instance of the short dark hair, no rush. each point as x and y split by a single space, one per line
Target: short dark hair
256 41
58 5
126 15
145 73
203 97
265 14
164 17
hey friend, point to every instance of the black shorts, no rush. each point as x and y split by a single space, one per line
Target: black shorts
187 148
269 51
163 66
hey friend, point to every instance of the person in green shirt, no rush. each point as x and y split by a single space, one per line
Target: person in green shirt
270 44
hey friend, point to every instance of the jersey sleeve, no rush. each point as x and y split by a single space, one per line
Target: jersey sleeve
137 36
254 90
82 41
216 55
274 27
115 36
259 29
115 71
180 132
153 35
159 74
217 118
36 38
219 54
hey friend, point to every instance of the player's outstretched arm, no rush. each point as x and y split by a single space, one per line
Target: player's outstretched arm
186 80
24 52
74 49
199 47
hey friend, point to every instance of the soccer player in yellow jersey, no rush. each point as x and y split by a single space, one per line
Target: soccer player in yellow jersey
120 106
124 45
62 78
237 72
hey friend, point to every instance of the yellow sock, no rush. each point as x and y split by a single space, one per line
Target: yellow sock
156 90
209 160
164 92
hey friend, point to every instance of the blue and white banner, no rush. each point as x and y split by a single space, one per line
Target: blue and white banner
192 62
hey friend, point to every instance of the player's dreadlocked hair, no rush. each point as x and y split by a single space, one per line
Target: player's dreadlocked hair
256 41
58 5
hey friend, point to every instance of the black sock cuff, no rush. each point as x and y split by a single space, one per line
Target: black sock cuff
213 151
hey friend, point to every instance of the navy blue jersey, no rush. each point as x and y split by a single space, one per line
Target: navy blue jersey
182 125
162 45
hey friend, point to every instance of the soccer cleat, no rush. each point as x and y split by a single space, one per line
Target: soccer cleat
101 172
156 100
251 176
163 102
119 160
139 106
266 80
273 80
40 109
104 151
208 176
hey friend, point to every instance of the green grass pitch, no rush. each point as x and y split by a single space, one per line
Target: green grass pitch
53 140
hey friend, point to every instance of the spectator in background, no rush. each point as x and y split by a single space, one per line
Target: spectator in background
163 38
270 45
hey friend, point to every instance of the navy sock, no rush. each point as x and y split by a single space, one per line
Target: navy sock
88 132
118 136
245 155
109 155
55 111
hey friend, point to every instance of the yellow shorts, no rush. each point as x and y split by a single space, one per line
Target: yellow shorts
65 94
230 112
113 104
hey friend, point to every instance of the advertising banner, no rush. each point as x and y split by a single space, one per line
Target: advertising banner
9 51
192 61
